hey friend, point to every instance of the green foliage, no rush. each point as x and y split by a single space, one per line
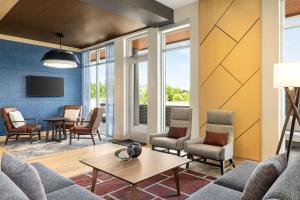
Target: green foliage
176 94
143 96
102 90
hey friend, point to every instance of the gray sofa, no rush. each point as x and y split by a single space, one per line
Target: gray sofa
56 187
231 185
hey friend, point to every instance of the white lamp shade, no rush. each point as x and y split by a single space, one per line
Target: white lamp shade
286 75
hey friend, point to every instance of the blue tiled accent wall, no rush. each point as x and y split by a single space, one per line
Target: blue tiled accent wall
18 60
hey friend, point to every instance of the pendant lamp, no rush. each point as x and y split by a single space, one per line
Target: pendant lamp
60 58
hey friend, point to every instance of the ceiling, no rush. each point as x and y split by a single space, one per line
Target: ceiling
176 3
292 7
83 22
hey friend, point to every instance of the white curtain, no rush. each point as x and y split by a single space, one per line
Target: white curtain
86 80
110 88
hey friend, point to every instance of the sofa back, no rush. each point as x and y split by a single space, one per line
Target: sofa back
9 190
287 185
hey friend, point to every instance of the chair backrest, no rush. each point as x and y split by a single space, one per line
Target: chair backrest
181 117
96 118
73 107
5 116
221 121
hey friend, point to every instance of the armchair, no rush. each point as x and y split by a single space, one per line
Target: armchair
89 127
74 113
218 121
27 129
180 117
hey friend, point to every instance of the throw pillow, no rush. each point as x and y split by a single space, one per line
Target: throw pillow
177 132
17 119
24 176
263 177
72 114
216 139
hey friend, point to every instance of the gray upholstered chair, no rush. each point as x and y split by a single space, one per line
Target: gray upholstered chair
218 121
180 117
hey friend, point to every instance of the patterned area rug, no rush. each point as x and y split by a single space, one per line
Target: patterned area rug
158 187
23 149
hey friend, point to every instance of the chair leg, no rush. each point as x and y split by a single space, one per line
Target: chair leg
232 163
78 137
30 137
93 138
222 167
39 135
6 139
99 136
17 137
187 165
178 152
153 147
70 140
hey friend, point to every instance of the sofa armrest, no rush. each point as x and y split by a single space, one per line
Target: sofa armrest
227 152
151 136
180 142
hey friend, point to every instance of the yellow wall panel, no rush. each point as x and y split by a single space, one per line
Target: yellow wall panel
246 105
212 54
209 19
216 91
247 51
240 17
248 145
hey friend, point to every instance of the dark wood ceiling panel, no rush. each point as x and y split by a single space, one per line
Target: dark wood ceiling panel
292 7
82 23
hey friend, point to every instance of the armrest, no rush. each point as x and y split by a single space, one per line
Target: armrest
151 136
180 141
194 141
227 152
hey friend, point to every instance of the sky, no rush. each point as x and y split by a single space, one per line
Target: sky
291 41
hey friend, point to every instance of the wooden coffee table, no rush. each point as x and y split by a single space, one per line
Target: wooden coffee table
147 165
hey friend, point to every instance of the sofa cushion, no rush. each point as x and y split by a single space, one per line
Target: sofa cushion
51 180
24 176
216 139
165 142
215 192
177 132
287 185
73 192
9 190
236 179
264 176
205 150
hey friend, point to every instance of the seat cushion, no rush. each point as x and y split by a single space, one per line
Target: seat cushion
236 179
263 177
51 180
24 176
215 192
204 150
80 128
287 185
165 142
9 190
73 192
28 128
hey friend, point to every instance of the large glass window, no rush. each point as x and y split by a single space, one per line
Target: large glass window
137 51
175 70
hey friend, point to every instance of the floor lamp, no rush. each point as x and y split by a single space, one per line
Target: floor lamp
287 76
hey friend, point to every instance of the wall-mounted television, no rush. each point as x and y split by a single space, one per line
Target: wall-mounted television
42 86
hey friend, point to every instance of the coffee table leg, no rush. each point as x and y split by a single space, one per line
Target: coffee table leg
133 192
94 179
176 176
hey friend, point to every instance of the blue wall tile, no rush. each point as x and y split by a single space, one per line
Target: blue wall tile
18 60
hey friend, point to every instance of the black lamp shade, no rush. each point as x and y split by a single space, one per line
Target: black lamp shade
60 59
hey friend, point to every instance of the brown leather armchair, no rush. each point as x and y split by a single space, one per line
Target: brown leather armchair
91 128
70 124
27 129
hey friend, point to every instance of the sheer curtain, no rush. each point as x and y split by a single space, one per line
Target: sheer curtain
110 88
86 80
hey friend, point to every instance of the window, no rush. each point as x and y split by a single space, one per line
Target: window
175 70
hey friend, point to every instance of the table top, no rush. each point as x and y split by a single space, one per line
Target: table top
147 165
57 119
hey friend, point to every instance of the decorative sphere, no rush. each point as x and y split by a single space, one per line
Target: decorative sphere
134 150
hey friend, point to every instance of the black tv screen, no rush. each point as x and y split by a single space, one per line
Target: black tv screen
41 86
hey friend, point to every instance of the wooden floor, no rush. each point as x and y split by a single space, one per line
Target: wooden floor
67 163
